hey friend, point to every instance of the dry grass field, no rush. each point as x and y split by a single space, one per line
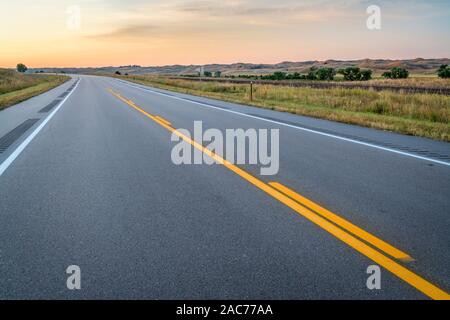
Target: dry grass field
16 87
420 81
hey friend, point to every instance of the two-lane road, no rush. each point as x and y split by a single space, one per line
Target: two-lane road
91 183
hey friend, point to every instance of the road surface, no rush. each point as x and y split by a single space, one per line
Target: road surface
89 181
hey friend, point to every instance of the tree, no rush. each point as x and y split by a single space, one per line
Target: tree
399 73
21 67
296 76
356 74
444 71
325 74
311 75
217 74
366 75
207 74
387 75
351 73
396 73
279 75
118 72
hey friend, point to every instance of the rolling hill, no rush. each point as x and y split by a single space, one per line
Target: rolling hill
415 66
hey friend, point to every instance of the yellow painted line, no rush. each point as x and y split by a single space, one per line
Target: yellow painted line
389 264
344 224
163 120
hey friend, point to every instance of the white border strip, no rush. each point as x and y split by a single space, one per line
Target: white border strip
296 127
25 143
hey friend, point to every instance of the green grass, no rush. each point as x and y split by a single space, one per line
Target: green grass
426 115
15 87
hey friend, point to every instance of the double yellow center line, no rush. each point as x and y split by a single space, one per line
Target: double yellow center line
344 224
328 221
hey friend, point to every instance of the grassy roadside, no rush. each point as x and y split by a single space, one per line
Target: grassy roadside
425 115
15 87
418 81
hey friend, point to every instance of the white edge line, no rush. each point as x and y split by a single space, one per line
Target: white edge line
296 127
8 161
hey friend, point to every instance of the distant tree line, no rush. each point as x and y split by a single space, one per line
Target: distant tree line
323 74
209 74
327 74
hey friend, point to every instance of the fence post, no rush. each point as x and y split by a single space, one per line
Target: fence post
251 90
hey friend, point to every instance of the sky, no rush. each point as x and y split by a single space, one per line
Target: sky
83 33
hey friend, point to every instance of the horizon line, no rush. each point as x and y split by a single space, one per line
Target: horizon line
231 63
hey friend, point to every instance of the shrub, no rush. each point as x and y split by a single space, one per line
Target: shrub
21 67
387 75
325 74
279 75
351 73
207 74
396 73
356 74
118 72
217 74
366 75
297 76
444 71
311 75
399 73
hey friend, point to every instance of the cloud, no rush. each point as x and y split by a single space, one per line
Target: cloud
174 31
271 11
129 31
190 19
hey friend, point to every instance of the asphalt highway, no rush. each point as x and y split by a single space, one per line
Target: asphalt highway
86 179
